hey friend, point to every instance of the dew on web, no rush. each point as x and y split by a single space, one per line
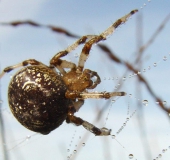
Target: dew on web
155 64
124 78
83 144
71 145
13 145
76 144
161 155
149 67
28 137
145 102
130 156
144 70
164 58
113 136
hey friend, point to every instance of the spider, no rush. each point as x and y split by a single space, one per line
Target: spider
41 98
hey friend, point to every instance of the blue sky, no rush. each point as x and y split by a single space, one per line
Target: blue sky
81 18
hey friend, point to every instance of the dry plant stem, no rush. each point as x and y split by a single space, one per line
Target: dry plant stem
152 38
35 24
3 138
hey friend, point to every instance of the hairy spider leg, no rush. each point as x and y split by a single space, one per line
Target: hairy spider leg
90 127
61 64
87 47
24 63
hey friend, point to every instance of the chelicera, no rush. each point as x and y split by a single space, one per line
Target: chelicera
41 98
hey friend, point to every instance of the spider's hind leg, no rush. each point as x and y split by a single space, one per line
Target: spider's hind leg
24 63
90 127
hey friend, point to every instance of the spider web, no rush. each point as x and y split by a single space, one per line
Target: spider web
135 60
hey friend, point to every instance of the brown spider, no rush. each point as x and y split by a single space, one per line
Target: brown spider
41 99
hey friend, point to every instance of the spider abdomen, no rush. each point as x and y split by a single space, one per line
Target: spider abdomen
36 98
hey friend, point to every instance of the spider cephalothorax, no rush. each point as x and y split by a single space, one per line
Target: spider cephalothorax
80 81
41 99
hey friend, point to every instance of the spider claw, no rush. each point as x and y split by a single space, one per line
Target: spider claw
112 94
105 131
133 11
123 93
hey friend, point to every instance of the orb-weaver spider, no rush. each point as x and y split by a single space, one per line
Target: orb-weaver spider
41 99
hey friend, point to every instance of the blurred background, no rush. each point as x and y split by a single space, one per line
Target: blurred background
135 59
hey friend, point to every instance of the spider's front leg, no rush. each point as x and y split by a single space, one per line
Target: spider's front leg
90 127
61 64
97 95
84 95
87 47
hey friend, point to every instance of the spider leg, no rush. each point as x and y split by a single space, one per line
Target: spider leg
87 47
97 95
105 95
61 64
90 127
78 104
24 63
